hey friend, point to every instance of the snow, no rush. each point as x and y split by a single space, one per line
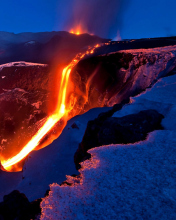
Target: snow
19 63
134 181
157 50
145 68
50 164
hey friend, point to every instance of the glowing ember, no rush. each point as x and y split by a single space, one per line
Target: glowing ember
60 111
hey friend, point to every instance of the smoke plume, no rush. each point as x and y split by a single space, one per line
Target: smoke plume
100 17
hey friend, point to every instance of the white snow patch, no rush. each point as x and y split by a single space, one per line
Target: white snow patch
156 50
134 181
120 182
20 63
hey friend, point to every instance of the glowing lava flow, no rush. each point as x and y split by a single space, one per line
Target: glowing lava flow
52 120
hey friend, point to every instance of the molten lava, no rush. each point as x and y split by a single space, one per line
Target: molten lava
75 32
79 29
60 111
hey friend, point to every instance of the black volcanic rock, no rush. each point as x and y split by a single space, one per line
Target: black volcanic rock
63 49
16 206
35 209
129 44
46 47
109 79
110 130
74 125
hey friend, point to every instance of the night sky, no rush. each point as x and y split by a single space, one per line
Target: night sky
106 18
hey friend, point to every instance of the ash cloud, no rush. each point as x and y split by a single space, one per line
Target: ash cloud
100 17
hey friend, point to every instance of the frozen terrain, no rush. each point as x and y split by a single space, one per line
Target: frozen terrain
123 181
49 164
134 181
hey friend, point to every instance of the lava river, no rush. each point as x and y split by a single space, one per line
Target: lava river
62 109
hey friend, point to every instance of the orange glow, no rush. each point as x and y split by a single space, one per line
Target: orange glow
78 29
76 32
51 121
60 111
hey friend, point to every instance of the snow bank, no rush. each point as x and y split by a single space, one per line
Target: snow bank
20 63
134 181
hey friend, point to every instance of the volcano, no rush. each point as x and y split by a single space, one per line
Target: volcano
103 79
44 47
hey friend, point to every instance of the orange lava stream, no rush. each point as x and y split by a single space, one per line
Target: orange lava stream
52 120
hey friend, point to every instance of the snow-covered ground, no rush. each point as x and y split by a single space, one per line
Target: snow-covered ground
50 164
134 181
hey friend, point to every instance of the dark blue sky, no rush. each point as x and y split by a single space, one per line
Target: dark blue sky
151 18
28 15
132 18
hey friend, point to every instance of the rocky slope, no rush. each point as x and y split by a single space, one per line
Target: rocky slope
44 47
23 103
109 79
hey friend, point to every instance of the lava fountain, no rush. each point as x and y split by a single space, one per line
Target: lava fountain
78 29
62 109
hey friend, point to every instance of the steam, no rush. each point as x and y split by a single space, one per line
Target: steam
100 17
